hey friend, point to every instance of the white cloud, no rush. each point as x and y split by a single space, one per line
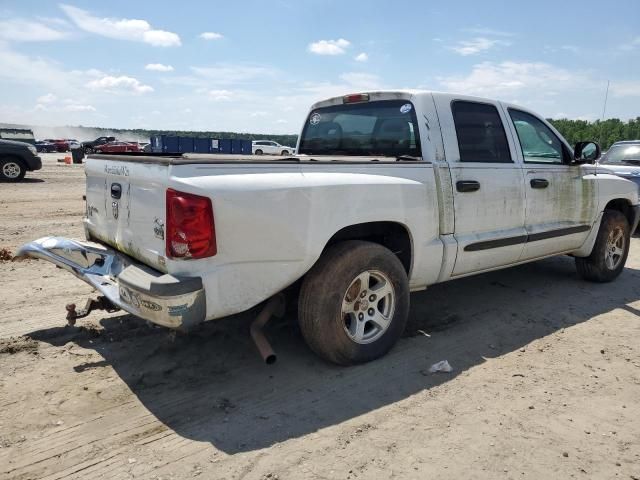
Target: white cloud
121 28
329 47
625 89
361 57
158 67
220 95
476 45
19 30
226 73
211 36
258 114
119 84
631 45
48 98
78 108
489 32
489 78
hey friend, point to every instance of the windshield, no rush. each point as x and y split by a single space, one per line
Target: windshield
626 152
381 128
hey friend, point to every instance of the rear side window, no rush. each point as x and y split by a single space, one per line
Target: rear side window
480 132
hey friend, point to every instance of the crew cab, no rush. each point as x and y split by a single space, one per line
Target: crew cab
390 192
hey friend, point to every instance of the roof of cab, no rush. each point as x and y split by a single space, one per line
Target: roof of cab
398 93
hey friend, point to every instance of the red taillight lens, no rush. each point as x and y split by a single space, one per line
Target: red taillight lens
190 229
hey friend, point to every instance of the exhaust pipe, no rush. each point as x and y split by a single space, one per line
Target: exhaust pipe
275 306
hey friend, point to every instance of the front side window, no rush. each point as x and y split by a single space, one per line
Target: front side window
481 136
379 128
539 144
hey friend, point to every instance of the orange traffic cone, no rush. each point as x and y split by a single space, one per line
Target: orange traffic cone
67 160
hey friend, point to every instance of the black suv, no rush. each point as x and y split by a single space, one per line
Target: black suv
16 159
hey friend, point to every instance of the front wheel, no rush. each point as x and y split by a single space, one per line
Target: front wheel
12 170
354 303
610 250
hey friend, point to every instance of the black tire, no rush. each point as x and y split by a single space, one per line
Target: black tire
332 280
598 267
12 169
258 152
285 153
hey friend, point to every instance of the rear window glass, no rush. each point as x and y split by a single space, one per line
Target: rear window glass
380 128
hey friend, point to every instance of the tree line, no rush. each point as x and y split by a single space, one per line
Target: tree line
604 132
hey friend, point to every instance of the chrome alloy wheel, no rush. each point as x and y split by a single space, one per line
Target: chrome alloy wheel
11 170
368 306
615 248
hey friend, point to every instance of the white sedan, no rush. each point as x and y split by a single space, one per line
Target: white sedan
267 147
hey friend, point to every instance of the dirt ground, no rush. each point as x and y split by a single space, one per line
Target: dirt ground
545 381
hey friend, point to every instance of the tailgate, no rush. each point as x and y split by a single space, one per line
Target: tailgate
126 207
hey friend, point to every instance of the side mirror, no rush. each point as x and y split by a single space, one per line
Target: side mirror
586 152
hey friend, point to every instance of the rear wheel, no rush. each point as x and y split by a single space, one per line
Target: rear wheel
610 250
285 153
12 169
258 152
354 303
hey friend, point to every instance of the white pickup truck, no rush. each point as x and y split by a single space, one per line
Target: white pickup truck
389 192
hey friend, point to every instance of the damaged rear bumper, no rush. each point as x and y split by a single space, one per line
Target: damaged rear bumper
146 293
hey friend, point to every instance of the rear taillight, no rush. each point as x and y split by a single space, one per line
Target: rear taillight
190 229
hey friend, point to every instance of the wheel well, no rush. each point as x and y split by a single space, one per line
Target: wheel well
392 235
623 206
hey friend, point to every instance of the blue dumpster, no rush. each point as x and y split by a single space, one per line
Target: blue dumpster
156 143
185 144
247 147
170 144
225 145
236 146
201 145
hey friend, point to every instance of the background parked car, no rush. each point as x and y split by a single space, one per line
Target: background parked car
45 147
623 159
93 144
118 147
268 147
73 143
16 159
62 145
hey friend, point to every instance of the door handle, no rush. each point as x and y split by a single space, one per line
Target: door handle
467 186
539 183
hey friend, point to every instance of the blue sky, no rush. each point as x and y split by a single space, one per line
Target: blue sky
256 66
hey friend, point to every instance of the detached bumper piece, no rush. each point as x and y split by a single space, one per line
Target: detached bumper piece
174 302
